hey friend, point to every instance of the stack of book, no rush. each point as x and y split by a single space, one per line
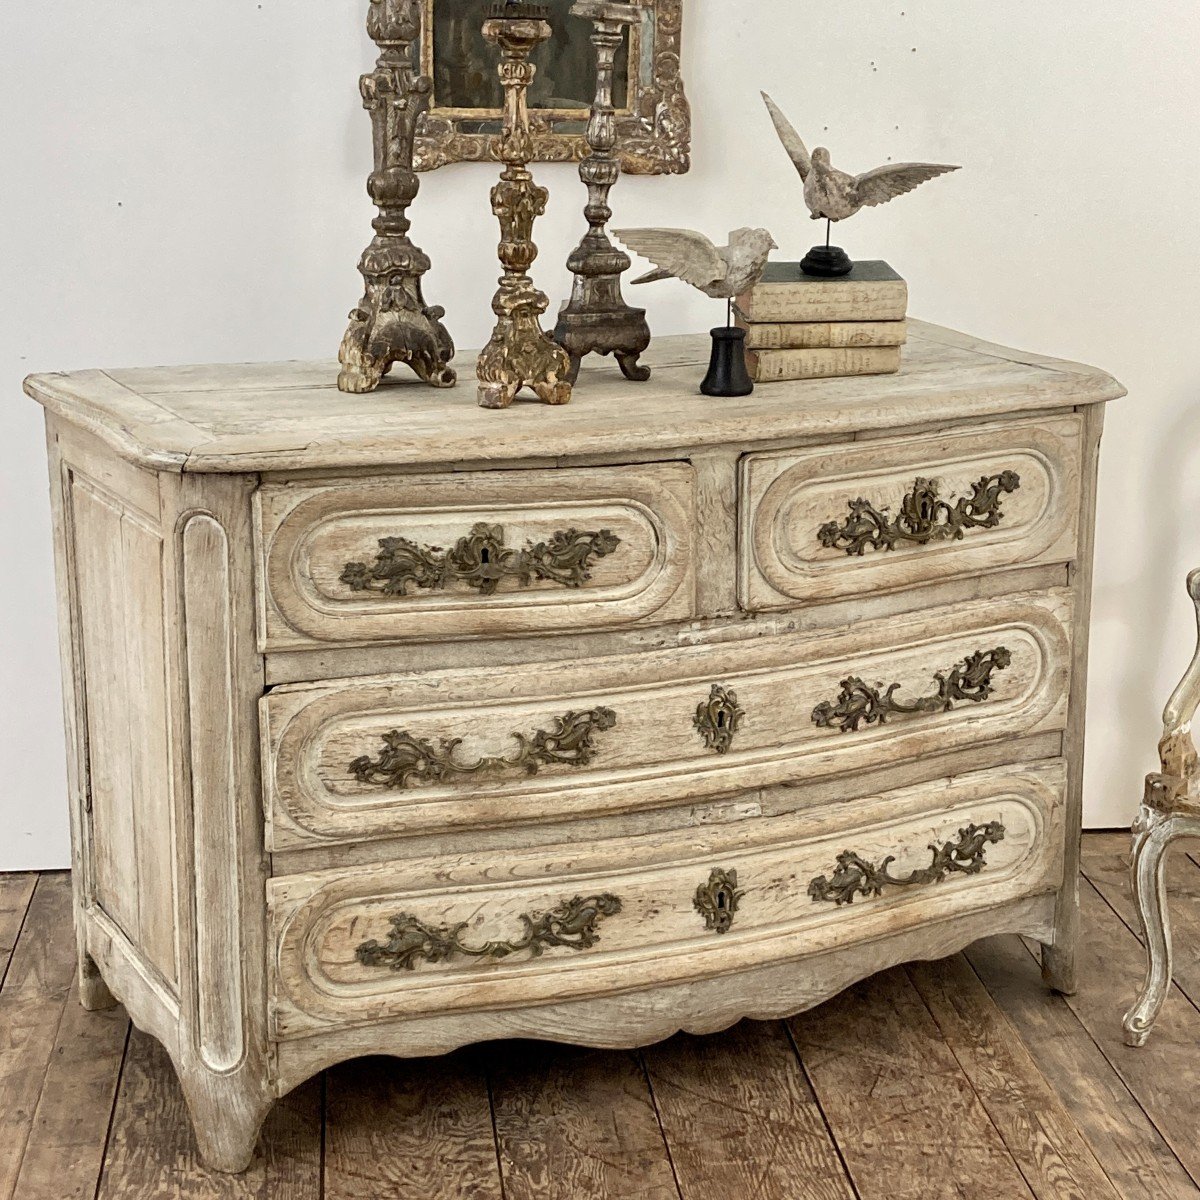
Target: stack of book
801 327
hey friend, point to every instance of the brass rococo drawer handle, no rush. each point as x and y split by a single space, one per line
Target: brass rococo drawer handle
412 941
719 718
855 876
480 560
409 761
924 517
860 704
718 900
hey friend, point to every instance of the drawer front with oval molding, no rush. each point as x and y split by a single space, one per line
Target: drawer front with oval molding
358 759
483 930
450 556
898 512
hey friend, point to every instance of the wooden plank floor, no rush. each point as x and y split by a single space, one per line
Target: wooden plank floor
963 1079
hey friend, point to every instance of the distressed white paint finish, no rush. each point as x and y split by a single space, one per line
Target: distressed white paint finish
220 580
310 533
658 937
787 496
290 416
207 601
640 1018
116 608
653 756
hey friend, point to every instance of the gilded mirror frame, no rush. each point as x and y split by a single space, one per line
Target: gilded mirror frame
654 129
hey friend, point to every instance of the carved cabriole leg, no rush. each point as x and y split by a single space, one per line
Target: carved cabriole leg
1058 957
222 1051
1153 833
93 991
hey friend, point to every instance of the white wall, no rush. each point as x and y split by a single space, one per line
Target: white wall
184 183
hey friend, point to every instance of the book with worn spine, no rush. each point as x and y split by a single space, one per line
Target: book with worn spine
774 366
821 335
871 292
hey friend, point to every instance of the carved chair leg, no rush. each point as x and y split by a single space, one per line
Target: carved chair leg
1153 834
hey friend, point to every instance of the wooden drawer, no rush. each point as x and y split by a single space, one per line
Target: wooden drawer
817 525
450 556
491 930
397 755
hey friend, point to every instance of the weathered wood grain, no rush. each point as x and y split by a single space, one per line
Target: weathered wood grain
1106 865
419 1130
740 1118
1110 964
1121 1136
1038 1132
903 1111
289 416
788 497
735 1110
311 534
653 754
576 1125
641 1018
152 1152
31 1007
654 936
16 891
1058 956
69 1135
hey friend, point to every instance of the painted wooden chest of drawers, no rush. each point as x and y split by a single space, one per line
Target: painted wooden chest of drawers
396 725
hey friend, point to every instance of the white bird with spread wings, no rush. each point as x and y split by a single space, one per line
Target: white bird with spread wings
833 195
721 273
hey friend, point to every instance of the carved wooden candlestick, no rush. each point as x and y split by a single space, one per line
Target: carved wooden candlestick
597 320
393 323
520 354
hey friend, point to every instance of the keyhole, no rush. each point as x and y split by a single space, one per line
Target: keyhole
722 901
485 556
721 718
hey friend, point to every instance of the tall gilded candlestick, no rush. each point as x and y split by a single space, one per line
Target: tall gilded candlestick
597 320
520 353
392 323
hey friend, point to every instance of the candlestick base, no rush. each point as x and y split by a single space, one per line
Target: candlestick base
392 324
827 262
521 354
621 332
727 374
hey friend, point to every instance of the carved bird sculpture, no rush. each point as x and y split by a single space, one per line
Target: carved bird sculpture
833 195
721 273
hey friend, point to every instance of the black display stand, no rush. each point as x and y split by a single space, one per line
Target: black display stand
727 374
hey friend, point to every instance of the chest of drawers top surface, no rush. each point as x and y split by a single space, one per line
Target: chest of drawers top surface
290 416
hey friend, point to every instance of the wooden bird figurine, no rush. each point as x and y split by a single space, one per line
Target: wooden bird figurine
833 195
721 273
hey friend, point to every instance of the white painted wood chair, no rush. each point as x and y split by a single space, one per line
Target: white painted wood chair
1170 810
